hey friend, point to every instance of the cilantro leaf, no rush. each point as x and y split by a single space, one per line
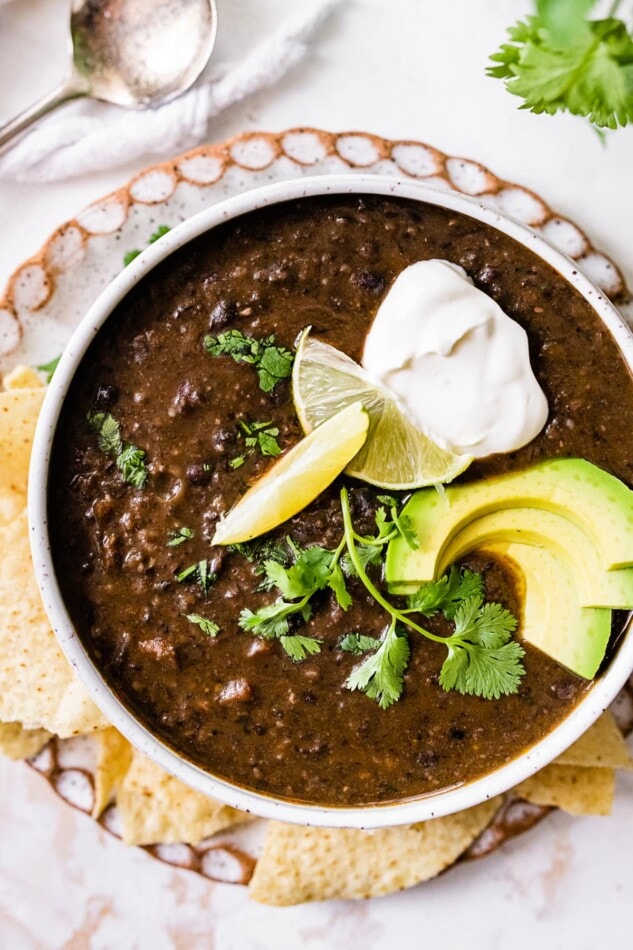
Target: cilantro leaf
447 593
381 676
200 572
179 537
49 368
298 647
130 460
158 233
257 436
272 621
358 643
559 60
488 625
107 428
129 256
477 671
131 464
207 626
271 362
314 569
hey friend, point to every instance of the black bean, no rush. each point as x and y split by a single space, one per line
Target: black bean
198 473
369 280
106 396
224 312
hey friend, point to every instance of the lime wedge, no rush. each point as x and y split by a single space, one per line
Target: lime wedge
396 454
297 477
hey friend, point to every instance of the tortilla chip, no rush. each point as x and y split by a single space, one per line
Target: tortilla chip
602 745
114 757
579 791
22 377
157 808
19 409
37 684
19 743
314 864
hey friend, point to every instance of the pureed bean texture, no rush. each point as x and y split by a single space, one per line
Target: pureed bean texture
236 704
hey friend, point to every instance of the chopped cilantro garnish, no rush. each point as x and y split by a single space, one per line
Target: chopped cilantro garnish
179 537
257 437
49 368
207 626
131 464
199 572
129 460
271 362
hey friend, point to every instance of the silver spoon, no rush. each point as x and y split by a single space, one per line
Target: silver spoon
134 53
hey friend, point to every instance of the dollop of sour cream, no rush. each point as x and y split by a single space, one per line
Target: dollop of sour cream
459 365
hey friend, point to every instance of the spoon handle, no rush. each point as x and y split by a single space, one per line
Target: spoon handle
69 89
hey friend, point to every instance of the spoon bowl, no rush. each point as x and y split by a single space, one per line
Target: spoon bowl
132 53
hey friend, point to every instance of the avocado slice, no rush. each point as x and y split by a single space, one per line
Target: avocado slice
552 618
592 499
543 529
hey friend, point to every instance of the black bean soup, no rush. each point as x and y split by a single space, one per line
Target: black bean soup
236 704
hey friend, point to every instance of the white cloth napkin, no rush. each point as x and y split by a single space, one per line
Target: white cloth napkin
86 136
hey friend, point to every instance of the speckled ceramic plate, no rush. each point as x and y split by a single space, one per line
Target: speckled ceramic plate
49 293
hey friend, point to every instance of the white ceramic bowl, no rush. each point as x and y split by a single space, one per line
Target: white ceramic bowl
374 816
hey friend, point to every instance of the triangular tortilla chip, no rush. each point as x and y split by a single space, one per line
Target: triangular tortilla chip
579 791
602 745
19 743
301 864
114 757
22 377
157 808
19 409
37 684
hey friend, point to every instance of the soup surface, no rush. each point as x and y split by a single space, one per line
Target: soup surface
235 704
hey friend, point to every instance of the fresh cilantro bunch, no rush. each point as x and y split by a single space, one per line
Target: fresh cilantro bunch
129 460
559 60
272 363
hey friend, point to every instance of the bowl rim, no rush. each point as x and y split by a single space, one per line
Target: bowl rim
406 811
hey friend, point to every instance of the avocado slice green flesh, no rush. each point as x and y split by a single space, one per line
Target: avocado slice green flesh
552 618
533 526
592 499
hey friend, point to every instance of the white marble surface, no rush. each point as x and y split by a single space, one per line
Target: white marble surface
400 68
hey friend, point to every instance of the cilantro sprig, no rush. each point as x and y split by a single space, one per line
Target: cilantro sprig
129 459
313 569
482 659
272 363
176 538
559 60
258 437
